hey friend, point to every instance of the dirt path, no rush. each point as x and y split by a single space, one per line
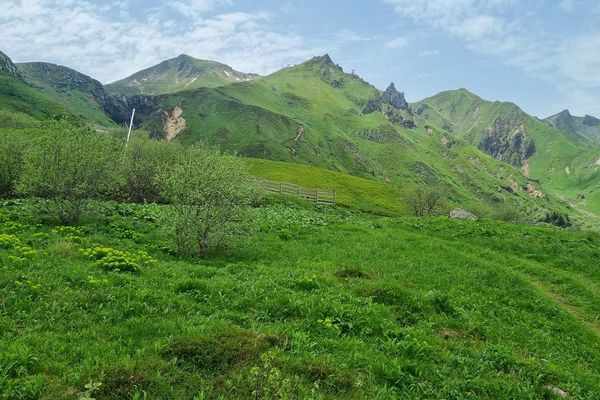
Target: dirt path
562 303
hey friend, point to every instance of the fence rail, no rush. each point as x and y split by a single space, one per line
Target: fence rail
318 196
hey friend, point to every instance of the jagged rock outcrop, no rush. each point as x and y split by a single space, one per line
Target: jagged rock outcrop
507 140
392 105
394 98
459 213
118 108
7 67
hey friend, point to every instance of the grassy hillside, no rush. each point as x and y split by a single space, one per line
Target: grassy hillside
312 114
82 95
180 73
564 164
319 303
352 191
22 106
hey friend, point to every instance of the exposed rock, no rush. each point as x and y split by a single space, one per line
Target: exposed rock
174 123
394 98
507 140
381 134
119 108
374 104
399 116
459 213
588 120
7 67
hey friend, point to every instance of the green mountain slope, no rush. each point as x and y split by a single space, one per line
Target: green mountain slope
20 104
83 96
564 164
316 114
180 73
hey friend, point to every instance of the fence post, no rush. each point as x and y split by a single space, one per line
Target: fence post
317 196
280 187
334 197
299 190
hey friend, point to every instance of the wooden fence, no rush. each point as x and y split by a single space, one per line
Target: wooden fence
318 196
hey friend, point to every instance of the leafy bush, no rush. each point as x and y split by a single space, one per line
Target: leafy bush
557 219
143 161
209 192
69 167
12 150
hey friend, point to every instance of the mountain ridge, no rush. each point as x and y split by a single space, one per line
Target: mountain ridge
179 73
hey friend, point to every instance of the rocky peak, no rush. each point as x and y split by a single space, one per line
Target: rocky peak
588 120
394 98
7 67
559 119
324 65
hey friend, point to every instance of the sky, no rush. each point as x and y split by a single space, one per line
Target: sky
543 55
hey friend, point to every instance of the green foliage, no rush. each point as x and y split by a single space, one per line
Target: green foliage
209 192
69 166
12 149
557 219
143 161
450 309
115 260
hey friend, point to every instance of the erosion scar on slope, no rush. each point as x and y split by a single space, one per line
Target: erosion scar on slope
174 123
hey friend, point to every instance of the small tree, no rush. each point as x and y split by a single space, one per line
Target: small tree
209 193
424 200
143 161
69 166
12 151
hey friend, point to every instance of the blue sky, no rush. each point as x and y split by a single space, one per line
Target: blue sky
543 55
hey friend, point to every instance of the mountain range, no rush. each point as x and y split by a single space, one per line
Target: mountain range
488 156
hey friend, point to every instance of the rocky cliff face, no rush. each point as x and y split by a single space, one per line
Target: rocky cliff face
7 67
507 140
394 98
393 106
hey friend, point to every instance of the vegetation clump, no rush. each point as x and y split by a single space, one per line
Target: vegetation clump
210 193
219 351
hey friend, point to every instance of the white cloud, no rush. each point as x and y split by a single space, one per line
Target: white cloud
107 43
505 30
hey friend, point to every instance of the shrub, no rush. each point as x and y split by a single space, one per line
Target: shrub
557 219
12 150
69 167
143 161
210 193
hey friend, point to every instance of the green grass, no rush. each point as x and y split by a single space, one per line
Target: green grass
319 303
351 191
262 119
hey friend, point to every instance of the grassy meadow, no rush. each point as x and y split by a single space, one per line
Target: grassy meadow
315 303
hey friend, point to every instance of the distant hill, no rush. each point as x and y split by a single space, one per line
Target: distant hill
563 160
586 127
84 96
180 73
316 114
22 105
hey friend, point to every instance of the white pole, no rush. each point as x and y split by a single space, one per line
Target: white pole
130 125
